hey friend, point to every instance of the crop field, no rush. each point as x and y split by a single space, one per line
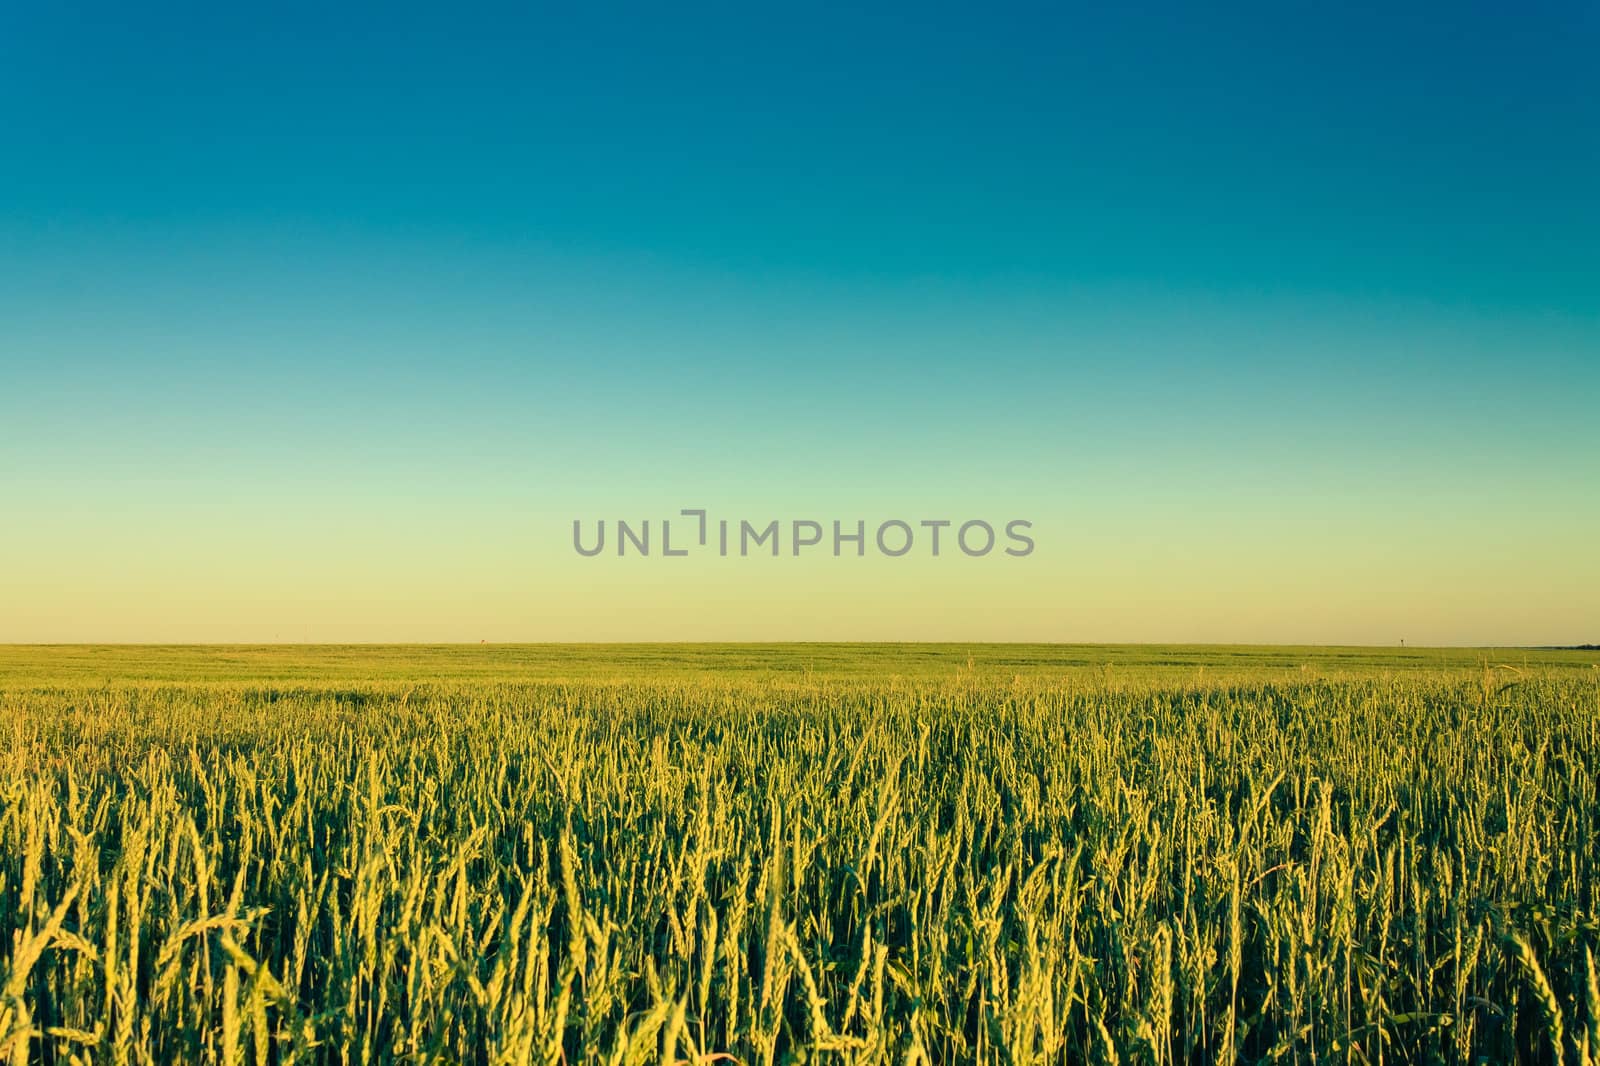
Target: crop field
798 853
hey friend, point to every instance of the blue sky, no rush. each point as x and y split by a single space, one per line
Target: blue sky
1179 269
1443 153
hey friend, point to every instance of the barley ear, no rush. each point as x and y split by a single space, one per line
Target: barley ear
1549 1006
1593 1005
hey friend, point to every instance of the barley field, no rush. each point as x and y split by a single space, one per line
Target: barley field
798 853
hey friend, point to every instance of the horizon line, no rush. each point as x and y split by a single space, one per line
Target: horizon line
772 643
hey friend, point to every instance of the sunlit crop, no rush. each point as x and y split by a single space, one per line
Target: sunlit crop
907 862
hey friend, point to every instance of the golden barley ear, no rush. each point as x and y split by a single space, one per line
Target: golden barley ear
1592 989
1543 994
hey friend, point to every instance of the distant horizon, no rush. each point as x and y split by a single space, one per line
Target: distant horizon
772 643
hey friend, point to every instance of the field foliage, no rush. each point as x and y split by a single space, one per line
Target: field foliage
798 854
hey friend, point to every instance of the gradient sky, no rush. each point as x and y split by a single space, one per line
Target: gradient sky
1280 323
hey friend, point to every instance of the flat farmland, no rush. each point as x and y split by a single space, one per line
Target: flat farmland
798 853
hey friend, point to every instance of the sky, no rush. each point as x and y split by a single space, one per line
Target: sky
326 322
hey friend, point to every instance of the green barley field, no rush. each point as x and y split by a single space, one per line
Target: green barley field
798 853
